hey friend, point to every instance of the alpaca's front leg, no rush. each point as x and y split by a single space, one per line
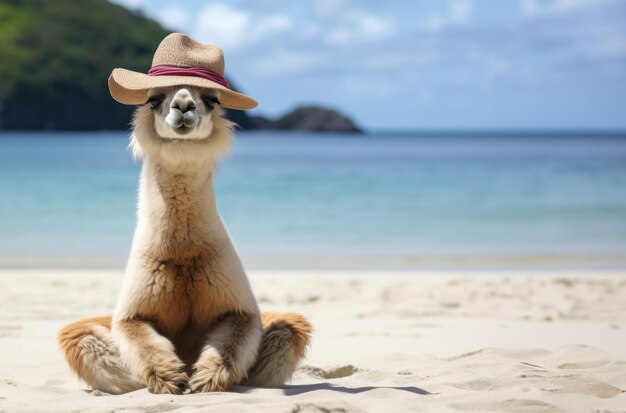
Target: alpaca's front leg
150 356
230 350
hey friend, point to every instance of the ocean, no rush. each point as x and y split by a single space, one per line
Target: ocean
324 200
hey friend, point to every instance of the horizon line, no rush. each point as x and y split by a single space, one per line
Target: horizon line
397 131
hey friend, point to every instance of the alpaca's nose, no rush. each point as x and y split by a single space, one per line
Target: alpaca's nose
183 101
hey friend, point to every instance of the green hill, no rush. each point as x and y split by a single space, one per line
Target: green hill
56 56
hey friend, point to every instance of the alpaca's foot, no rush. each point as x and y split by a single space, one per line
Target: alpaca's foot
230 350
167 376
151 356
211 375
286 337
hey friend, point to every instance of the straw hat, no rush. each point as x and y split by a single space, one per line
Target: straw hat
178 61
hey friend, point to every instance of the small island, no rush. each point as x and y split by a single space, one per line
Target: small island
309 119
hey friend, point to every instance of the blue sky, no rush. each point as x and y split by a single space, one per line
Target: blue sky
411 64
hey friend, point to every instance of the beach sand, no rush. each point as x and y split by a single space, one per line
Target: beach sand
497 341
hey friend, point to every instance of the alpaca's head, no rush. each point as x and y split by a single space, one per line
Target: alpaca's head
181 125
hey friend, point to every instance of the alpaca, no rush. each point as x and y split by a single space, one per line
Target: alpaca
186 317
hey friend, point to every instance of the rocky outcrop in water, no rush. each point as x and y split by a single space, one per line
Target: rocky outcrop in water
310 119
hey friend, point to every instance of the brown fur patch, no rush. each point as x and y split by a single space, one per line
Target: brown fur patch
239 324
299 326
184 292
69 339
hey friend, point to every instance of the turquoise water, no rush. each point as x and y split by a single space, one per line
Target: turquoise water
329 200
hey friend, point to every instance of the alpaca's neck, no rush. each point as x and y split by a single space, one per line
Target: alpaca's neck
177 206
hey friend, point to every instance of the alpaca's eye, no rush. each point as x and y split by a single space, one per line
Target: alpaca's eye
155 101
209 101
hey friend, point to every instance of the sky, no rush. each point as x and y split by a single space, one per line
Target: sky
421 64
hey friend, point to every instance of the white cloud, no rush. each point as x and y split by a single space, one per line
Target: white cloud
358 26
233 28
459 13
375 27
269 26
310 30
220 24
534 8
282 63
328 8
567 5
611 46
529 7
434 22
175 17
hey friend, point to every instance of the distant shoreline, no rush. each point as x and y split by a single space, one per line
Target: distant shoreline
488 132
360 263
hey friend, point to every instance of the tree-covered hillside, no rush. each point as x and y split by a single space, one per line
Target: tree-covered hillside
56 56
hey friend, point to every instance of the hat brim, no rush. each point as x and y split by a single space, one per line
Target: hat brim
131 88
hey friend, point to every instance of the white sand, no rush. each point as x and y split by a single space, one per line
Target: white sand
392 342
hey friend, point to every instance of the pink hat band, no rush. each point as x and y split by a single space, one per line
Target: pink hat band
166 70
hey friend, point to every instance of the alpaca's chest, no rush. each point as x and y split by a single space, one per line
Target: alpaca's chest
179 293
